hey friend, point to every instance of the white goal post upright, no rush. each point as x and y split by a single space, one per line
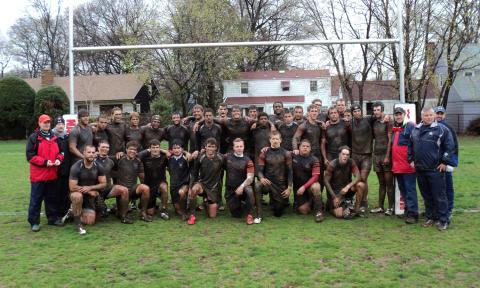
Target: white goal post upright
398 41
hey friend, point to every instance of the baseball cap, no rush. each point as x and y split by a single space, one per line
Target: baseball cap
398 110
440 109
44 118
59 119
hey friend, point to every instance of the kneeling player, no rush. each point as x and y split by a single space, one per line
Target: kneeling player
306 171
275 175
239 170
129 167
338 180
206 180
179 170
86 180
155 165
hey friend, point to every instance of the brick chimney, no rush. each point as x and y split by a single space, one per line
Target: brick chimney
47 77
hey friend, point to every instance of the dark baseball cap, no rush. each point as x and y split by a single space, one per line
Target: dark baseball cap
355 107
398 110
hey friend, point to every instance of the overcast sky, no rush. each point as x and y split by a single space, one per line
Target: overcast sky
11 10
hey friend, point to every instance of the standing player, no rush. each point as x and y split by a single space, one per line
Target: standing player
311 130
80 136
152 131
338 180
208 130
275 177
240 173
362 147
222 114
155 165
337 135
382 133
197 112
321 116
116 131
177 131
206 180
306 171
87 180
341 107
260 135
101 133
287 129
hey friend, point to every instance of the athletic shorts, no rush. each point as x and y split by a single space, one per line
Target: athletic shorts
363 161
348 197
378 164
132 192
209 195
275 193
234 202
106 193
306 197
88 202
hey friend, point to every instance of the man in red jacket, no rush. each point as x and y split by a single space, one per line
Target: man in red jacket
45 156
405 174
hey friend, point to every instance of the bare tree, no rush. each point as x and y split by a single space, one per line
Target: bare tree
343 19
269 20
5 55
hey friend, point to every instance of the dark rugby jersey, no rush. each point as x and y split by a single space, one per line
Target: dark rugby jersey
336 136
313 133
361 136
154 167
209 171
133 135
179 170
149 134
287 133
86 176
205 132
177 132
128 170
276 165
237 128
100 135
81 137
107 164
261 139
380 133
116 137
304 167
237 169
341 174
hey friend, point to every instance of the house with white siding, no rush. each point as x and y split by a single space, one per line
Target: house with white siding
292 87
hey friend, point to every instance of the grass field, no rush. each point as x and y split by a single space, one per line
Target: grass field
292 251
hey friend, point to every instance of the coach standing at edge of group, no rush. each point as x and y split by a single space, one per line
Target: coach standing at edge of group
430 150
45 156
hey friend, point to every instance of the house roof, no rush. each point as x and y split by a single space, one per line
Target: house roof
376 90
257 100
98 87
287 74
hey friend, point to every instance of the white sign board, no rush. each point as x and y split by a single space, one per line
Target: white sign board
410 116
70 122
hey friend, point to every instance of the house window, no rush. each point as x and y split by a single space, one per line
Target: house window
313 86
244 88
285 85
468 73
107 109
370 108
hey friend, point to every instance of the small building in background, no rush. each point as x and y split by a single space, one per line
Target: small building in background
101 93
263 88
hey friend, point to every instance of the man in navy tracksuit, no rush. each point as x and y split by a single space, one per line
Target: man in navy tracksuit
430 150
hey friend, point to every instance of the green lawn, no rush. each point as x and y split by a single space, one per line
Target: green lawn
292 251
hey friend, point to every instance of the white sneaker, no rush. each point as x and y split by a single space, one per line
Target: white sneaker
257 220
81 230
